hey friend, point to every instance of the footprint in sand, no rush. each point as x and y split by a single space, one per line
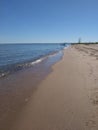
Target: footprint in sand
94 98
90 123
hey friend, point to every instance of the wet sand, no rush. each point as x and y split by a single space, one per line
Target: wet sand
17 88
67 99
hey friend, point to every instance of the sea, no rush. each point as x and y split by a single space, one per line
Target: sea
15 57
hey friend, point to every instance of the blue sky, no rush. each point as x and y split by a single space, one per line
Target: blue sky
48 21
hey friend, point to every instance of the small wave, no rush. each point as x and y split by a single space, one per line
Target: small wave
67 46
37 61
45 57
54 54
2 75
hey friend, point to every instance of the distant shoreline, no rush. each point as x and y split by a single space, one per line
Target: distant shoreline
85 43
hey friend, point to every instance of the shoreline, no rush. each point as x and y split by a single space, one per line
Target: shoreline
16 89
14 68
64 99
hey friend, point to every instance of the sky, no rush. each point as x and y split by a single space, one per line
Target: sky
48 21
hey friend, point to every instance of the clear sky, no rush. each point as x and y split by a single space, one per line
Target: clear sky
48 21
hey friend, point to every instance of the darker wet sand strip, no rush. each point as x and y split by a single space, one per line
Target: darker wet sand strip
17 88
63 101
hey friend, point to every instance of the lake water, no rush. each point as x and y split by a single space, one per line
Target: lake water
14 57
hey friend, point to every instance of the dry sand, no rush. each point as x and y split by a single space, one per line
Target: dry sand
68 98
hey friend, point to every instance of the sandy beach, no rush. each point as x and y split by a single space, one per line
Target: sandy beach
67 99
48 64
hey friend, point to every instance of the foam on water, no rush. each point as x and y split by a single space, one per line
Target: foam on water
37 61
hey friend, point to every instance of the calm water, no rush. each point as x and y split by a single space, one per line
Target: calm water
17 56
